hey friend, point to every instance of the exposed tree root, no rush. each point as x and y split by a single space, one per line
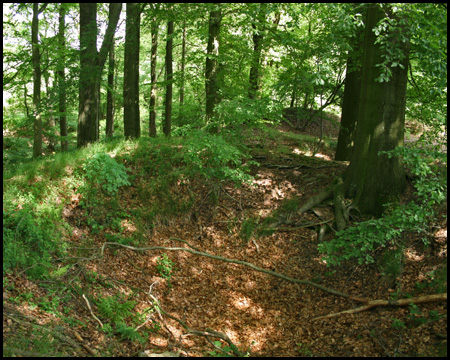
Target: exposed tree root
400 302
335 190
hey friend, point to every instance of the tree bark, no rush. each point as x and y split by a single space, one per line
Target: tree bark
91 64
344 148
62 82
169 76
37 125
258 37
110 93
183 60
131 127
373 179
152 110
211 72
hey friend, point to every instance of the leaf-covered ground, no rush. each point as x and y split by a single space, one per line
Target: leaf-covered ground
261 314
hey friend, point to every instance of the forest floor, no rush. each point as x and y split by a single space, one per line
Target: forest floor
261 314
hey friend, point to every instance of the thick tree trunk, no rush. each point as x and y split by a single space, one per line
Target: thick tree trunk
132 128
169 71
211 73
88 106
350 105
374 179
91 65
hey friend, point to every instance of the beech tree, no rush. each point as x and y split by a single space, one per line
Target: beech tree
373 179
153 60
212 62
92 63
169 76
62 81
37 126
132 127
110 93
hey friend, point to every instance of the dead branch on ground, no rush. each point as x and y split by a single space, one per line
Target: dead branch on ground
399 302
239 262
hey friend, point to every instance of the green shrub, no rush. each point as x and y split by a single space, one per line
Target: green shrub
103 174
360 241
214 159
31 235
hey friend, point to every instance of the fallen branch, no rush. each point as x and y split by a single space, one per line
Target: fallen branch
400 302
239 262
90 309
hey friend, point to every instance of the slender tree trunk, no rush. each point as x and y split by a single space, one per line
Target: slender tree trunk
132 127
152 109
169 75
110 93
37 125
258 37
211 73
62 81
183 60
373 179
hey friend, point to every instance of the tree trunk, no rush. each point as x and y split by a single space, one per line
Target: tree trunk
62 82
110 93
211 73
169 72
91 64
373 179
37 125
183 60
152 110
132 127
344 148
258 37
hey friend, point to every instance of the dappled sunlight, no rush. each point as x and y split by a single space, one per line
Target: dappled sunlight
413 255
128 225
323 156
297 151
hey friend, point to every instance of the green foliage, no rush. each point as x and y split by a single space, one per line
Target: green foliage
129 333
435 280
361 240
247 228
418 318
115 308
398 324
226 350
391 264
165 268
212 158
31 236
304 349
103 174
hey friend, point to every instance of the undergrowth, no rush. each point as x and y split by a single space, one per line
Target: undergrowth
362 240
